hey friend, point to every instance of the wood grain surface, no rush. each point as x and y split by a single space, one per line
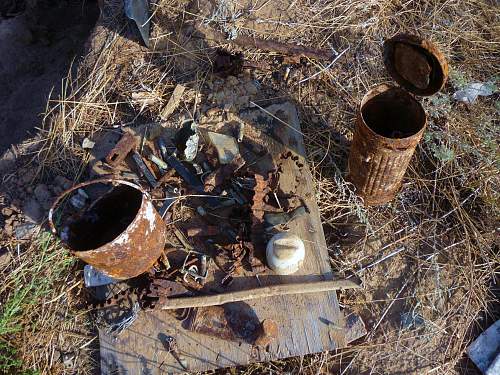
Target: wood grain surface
308 323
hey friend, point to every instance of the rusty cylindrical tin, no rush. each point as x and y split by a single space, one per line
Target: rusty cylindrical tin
121 233
390 121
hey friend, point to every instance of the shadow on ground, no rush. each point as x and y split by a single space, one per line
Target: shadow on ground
37 48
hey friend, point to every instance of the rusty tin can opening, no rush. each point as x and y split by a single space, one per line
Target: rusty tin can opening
120 233
390 121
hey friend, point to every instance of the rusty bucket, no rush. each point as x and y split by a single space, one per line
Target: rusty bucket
391 121
120 233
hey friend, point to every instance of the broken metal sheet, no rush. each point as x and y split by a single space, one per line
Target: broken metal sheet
125 145
232 321
138 10
94 277
226 146
485 350
145 170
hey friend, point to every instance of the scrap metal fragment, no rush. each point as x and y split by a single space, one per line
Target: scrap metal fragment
233 322
267 45
173 102
93 277
145 171
138 10
125 145
191 179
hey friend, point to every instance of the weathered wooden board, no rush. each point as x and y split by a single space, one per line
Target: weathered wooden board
308 323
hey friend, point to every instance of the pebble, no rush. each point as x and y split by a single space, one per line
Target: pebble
27 175
32 210
5 258
7 211
63 182
250 88
24 231
43 195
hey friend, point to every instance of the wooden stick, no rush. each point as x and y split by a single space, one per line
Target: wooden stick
267 45
245 295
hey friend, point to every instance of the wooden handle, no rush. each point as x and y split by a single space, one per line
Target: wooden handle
245 295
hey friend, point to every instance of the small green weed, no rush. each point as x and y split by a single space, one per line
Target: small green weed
34 277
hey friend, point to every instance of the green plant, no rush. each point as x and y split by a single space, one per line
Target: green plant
39 268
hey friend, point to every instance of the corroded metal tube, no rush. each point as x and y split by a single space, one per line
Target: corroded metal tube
389 125
121 233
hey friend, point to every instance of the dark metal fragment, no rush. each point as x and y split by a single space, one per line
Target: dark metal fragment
145 171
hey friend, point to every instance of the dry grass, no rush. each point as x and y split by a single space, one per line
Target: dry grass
444 217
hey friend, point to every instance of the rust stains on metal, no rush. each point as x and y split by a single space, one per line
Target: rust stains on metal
232 321
268 333
389 126
415 63
120 234
125 145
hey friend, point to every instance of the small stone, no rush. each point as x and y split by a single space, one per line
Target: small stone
25 231
68 359
63 182
8 229
43 195
5 258
27 175
87 144
32 210
250 88
7 211
268 333
232 80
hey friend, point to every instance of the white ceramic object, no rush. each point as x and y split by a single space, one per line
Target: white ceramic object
285 253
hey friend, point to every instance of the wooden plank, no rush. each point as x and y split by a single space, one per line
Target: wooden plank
308 323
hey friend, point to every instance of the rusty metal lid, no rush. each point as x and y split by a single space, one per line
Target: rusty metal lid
415 63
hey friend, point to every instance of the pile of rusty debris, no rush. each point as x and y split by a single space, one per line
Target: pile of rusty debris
188 206
179 215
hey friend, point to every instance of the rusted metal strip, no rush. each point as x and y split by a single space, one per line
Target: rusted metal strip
125 145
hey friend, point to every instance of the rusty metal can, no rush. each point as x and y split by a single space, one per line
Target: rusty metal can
389 126
390 121
120 233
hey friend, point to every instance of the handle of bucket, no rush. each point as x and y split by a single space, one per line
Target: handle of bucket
82 184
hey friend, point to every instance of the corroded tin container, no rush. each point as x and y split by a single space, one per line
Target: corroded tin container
390 121
120 233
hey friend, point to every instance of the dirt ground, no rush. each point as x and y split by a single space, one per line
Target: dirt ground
37 47
428 261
